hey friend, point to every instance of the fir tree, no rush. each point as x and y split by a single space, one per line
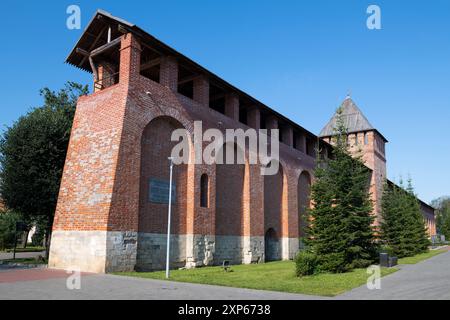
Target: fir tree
392 224
402 229
420 234
340 232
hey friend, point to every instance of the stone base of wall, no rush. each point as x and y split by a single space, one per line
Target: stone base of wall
199 250
238 249
151 251
290 248
101 251
121 249
253 250
93 251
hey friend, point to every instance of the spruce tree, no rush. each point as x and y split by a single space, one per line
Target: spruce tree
402 229
340 231
420 232
392 224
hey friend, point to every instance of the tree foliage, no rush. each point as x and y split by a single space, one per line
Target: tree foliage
33 151
8 221
402 229
340 232
442 215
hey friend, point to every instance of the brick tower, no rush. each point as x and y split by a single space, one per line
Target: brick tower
113 201
366 140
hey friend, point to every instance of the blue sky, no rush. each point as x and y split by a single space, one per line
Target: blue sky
299 57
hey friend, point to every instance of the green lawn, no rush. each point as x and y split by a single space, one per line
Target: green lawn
27 249
24 261
420 257
275 276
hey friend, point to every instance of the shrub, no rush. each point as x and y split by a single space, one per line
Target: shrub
333 262
7 229
387 249
306 263
360 263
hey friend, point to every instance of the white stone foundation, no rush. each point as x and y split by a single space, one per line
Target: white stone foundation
290 248
102 251
93 251
199 250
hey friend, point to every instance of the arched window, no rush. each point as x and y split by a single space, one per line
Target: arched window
204 194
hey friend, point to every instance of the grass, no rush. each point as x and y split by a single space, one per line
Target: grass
274 276
27 249
24 261
420 257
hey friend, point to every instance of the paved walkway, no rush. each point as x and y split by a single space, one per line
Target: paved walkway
51 284
429 279
426 280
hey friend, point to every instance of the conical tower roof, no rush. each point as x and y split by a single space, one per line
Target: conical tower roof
354 120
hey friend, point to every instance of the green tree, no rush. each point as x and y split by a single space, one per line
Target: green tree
417 222
8 221
442 215
32 155
392 224
341 232
402 228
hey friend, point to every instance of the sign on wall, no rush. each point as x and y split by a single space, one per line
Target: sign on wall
159 191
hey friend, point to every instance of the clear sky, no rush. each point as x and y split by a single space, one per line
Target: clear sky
299 57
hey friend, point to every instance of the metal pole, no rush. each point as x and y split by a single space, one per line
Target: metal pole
168 219
15 243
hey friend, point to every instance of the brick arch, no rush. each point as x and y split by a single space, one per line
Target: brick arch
156 147
303 200
229 208
273 212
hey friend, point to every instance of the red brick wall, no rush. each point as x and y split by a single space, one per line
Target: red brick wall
103 188
229 197
303 197
273 200
156 148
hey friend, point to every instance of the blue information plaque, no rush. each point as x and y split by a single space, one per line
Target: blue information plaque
159 191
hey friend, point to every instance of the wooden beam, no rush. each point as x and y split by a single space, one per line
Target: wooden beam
105 47
82 51
189 78
151 48
122 29
150 64
217 96
93 45
94 69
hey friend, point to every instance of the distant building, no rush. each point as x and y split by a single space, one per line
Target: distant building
111 213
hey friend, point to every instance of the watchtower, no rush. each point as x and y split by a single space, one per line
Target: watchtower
363 139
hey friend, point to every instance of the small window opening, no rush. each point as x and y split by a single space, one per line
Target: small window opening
204 186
